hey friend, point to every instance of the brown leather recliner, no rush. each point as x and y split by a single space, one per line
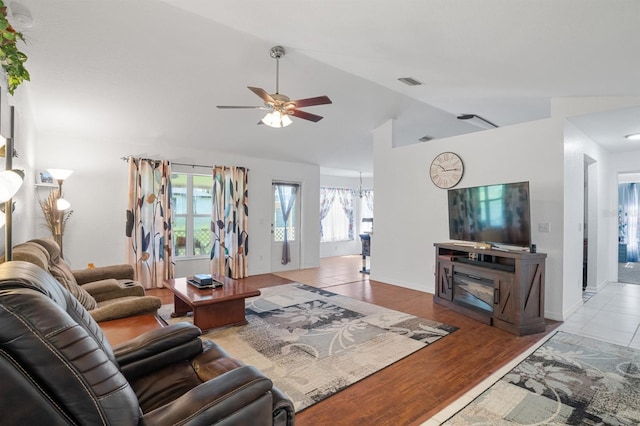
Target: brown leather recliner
58 368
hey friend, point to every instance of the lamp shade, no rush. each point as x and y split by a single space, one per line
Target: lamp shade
10 183
60 174
276 119
62 204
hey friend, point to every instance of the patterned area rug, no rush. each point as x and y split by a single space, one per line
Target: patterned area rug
569 380
312 343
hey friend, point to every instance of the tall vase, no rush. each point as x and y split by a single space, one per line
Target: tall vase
58 239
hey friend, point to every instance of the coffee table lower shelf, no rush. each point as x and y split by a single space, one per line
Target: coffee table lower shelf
219 314
211 307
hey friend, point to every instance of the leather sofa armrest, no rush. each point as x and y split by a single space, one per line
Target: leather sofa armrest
241 396
158 348
119 272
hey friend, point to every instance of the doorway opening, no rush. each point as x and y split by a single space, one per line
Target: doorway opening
590 225
285 226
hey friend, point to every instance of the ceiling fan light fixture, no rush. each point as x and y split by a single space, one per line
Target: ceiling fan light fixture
276 119
633 137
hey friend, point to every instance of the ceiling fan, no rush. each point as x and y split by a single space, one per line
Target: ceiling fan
280 107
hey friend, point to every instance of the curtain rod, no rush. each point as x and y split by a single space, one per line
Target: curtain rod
172 162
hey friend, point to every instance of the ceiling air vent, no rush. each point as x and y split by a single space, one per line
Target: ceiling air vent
425 138
410 81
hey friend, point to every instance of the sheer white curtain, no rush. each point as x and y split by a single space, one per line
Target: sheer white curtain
336 213
327 195
335 225
346 200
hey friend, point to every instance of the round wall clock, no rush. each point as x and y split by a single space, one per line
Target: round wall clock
446 170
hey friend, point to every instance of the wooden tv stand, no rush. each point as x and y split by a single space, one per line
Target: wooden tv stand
502 288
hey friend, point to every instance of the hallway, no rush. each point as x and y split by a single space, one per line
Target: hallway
612 315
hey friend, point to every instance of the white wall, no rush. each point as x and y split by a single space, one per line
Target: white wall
98 192
343 248
24 144
411 213
603 241
579 146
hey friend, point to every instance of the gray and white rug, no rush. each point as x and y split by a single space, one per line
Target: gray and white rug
312 343
570 380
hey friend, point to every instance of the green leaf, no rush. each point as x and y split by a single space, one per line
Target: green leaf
11 58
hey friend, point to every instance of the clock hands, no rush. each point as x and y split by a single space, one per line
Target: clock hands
448 170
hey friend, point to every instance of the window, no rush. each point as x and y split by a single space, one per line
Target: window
492 206
191 200
336 222
366 211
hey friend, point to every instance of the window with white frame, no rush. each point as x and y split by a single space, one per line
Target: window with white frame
191 201
336 222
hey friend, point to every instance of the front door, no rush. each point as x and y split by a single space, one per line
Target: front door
286 217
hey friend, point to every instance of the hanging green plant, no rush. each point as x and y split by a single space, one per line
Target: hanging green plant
11 58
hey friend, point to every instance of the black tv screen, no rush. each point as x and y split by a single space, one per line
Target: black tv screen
498 214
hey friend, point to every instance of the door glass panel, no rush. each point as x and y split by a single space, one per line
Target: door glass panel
278 221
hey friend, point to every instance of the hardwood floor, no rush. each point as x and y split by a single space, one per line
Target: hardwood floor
417 387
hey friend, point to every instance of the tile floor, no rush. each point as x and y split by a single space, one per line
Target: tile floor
612 315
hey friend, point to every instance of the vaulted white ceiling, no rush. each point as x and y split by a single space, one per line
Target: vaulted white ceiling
152 71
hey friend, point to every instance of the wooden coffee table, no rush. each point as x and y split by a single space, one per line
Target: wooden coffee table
211 307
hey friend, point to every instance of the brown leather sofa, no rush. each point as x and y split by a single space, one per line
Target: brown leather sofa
57 368
107 292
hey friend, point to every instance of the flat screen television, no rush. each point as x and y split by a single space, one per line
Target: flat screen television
495 214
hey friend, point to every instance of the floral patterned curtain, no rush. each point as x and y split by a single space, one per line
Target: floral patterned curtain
148 228
327 195
346 200
230 222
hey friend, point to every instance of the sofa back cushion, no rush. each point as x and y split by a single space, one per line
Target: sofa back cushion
32 253
61 273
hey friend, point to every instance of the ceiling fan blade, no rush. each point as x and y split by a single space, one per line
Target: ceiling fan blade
306 115
319 100
262 94
240 107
